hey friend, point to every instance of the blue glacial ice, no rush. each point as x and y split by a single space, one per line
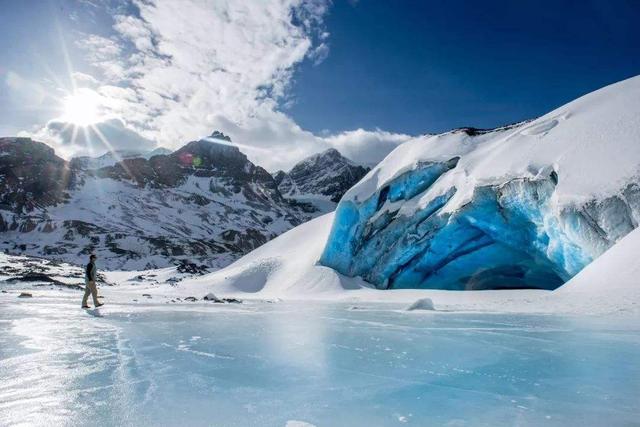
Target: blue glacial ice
507 236
323 364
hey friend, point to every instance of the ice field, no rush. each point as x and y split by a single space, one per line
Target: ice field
300 363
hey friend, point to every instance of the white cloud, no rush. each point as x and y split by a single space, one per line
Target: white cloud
320 53
366 147
279 143
136 30
188 60
178 70
84 79
24 92
70 140
99 48
104 53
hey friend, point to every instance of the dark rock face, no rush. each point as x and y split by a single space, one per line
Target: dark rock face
219 135
207 154
138 170
31 176
202 158
191 268
206 203
326 174
279 176
211 297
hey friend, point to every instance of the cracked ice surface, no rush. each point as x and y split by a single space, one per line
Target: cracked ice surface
321 364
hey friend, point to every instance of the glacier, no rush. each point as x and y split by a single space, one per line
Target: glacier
523 206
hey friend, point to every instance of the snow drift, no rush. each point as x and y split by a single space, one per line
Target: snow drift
286 265
523 206
616 271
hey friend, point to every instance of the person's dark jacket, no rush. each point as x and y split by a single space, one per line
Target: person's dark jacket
90 273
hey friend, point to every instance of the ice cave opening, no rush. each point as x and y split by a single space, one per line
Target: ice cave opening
508 235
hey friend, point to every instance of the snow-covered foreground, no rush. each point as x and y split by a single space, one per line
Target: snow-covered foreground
287 268
299 364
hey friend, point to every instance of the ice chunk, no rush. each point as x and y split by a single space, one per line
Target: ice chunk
422 304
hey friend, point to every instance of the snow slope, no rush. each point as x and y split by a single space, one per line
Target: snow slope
610 284
285 266
528 205
617 271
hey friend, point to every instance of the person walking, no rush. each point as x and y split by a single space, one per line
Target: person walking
90 283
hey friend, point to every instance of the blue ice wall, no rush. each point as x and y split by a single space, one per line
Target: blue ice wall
506 237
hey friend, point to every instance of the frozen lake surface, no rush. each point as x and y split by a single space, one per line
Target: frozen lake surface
325 364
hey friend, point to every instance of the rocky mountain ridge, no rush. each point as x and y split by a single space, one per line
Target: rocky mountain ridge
205 202
322 177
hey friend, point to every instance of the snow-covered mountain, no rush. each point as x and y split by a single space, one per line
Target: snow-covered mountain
528 205
110 158
320 179
205 202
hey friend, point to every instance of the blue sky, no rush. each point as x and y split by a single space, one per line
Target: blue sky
292 77
435 65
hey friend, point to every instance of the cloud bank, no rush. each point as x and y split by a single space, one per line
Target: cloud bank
110 134
174 71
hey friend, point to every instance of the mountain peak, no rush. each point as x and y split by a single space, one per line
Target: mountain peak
322 159
331 152
327 174
207 152
25 145
219 135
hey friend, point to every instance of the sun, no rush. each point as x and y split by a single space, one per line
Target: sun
82 107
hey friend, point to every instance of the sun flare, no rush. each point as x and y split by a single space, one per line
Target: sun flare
82 107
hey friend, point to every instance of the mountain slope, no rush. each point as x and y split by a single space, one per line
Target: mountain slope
31 177
110 158
320 179
527 205
205 202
